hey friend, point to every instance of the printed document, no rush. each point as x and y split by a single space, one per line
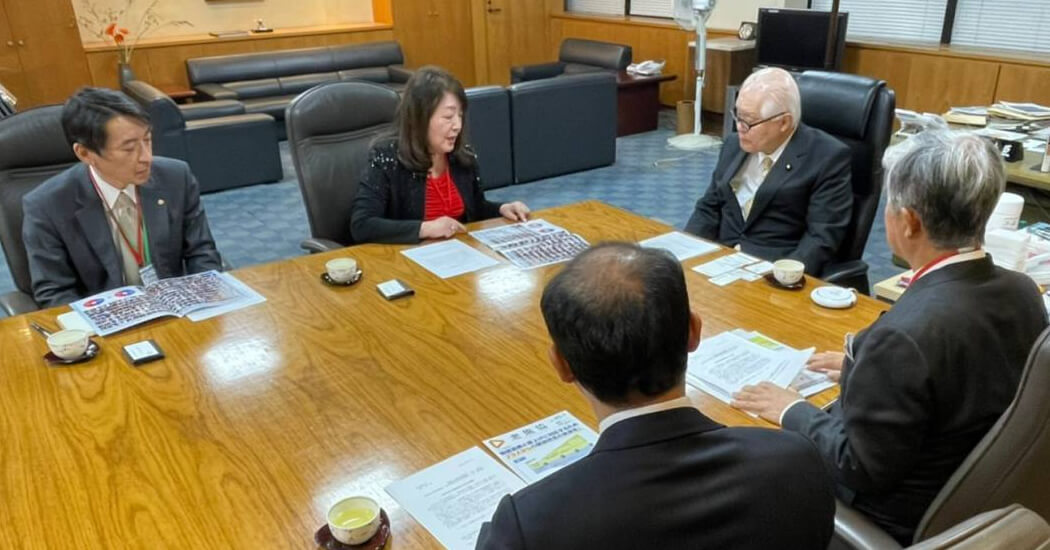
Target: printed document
449 258
725 363
452 498
543 447
681 245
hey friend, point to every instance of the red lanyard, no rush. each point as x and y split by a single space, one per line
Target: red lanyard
137 252
936 261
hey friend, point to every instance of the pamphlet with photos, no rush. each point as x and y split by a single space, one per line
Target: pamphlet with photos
191 296
533 243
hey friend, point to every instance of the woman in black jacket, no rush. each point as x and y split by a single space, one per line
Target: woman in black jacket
422 182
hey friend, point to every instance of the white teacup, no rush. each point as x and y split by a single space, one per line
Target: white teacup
354 520
788 272
68 344
341 270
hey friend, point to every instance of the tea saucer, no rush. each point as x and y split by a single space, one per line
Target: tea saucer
773 281
328 280
324 539
90 353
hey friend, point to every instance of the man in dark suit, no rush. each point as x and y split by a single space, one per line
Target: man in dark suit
662 475
121 216
780 189
923 384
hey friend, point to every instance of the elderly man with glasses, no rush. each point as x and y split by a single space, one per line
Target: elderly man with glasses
780 189
119 217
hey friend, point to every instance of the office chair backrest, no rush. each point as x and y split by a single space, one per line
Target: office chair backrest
169 125
330 131
579 54
1009 465
33 148
858 111
1011 528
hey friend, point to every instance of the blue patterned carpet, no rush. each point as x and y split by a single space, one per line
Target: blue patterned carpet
265 223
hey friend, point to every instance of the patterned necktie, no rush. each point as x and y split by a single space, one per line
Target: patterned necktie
767 165
127 218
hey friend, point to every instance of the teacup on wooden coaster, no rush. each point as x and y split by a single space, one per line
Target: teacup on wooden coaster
324 539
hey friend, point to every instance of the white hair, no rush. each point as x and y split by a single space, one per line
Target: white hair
952 180
779 92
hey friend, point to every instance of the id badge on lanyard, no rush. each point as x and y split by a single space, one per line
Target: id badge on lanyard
148 274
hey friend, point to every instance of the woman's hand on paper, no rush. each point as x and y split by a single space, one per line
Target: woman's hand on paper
440 228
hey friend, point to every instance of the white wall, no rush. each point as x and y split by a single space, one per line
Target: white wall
220 15
729 14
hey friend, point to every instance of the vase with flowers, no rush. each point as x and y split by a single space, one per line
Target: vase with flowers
107 24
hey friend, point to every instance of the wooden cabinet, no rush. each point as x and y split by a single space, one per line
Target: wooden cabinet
437 32
41 56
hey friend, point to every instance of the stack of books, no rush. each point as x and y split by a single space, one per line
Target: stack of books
1028 112
969 116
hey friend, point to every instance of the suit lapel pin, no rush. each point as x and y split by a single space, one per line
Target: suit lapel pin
160 202
788 167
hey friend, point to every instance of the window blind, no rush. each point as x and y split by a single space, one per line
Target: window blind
1011 24
604 7
653 8
907 20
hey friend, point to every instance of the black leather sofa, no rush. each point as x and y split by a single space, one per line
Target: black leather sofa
224 146
577 56
563 125
267 82
489 130
545 128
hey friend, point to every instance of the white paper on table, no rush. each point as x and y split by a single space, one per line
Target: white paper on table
727 278
809 383
681 245
761 268
725 363
725 264
249 297
452 498
73 320
1001 134
449 258
538 450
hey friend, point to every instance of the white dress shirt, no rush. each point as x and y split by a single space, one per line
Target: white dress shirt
750 177
619 416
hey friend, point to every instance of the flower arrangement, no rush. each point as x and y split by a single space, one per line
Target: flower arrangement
105 24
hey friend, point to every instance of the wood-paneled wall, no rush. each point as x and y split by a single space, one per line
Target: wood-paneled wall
163 63
937 78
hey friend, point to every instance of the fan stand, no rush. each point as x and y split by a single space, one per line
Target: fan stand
697 141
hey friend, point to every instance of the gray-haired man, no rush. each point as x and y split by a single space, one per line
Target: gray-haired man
780 189
924 383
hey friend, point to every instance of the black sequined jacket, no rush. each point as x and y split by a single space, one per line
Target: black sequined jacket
389 204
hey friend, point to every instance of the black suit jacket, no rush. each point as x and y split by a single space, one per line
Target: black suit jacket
675 479
925 383
801 210
389 204
70 245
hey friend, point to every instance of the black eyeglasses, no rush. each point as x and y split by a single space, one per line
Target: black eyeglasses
746 127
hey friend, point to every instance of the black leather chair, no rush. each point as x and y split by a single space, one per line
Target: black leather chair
224 146
33 148
267 82
1012 528
488 129
859 111
331 129
577 56
1008 466
563 125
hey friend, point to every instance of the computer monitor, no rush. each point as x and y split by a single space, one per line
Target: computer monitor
797 39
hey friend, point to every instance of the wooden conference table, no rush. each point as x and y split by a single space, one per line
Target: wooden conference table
260 419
